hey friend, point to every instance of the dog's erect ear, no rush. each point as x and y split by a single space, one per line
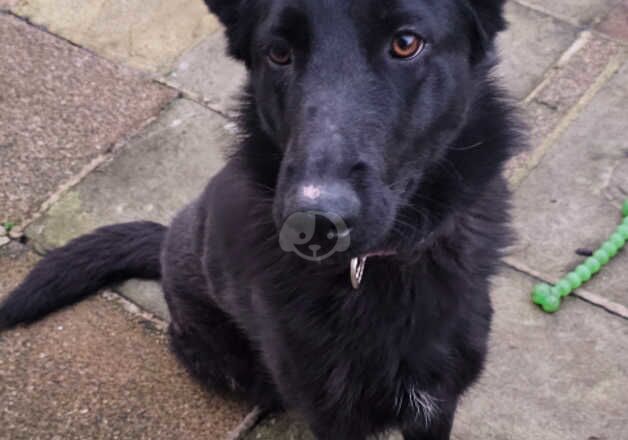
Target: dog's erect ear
225 10
238 28
488 17
491 15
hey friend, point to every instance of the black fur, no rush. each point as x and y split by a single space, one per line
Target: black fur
106 256
408 152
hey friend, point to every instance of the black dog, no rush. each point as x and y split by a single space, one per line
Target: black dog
381 114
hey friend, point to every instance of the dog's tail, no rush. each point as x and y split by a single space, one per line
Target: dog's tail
66 275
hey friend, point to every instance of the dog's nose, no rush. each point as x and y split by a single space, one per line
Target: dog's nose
338 199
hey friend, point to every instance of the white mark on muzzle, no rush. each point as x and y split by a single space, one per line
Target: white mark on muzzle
311 192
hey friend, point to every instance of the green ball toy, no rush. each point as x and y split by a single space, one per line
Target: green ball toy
549 297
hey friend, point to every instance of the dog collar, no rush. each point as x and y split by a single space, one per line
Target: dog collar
358 265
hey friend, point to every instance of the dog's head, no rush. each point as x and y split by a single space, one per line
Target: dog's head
363 99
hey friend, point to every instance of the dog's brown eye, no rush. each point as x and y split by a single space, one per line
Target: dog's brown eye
280 55
406 45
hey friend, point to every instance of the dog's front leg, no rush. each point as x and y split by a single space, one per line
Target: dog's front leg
438 429
326 434
327 430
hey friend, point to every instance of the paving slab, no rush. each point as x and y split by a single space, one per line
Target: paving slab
147 34
206 72
581 12
158 173
616 23
572 199
95 371
532 44
550 377
61 108
565 91
7 4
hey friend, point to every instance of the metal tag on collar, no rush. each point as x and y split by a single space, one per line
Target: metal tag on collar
357 266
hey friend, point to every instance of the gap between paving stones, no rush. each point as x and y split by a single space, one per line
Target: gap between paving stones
18 231
44 29
524 169
248 423
545 11
607 37
579 44
157 78
194 97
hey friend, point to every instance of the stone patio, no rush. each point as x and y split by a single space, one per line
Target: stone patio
120 110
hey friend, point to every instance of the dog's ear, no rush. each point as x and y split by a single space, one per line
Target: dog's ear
490 14
488 18
237 25
225 10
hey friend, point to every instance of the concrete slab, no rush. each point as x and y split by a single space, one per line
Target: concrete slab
205 71
572 199
548 377
533 43
147 34
95 371
62 108
151 178
581 12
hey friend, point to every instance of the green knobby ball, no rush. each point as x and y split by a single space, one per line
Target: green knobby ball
593 265
574 280
563 288
618 240
602 256
551 304
540 293
549 297
584 273
610 248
